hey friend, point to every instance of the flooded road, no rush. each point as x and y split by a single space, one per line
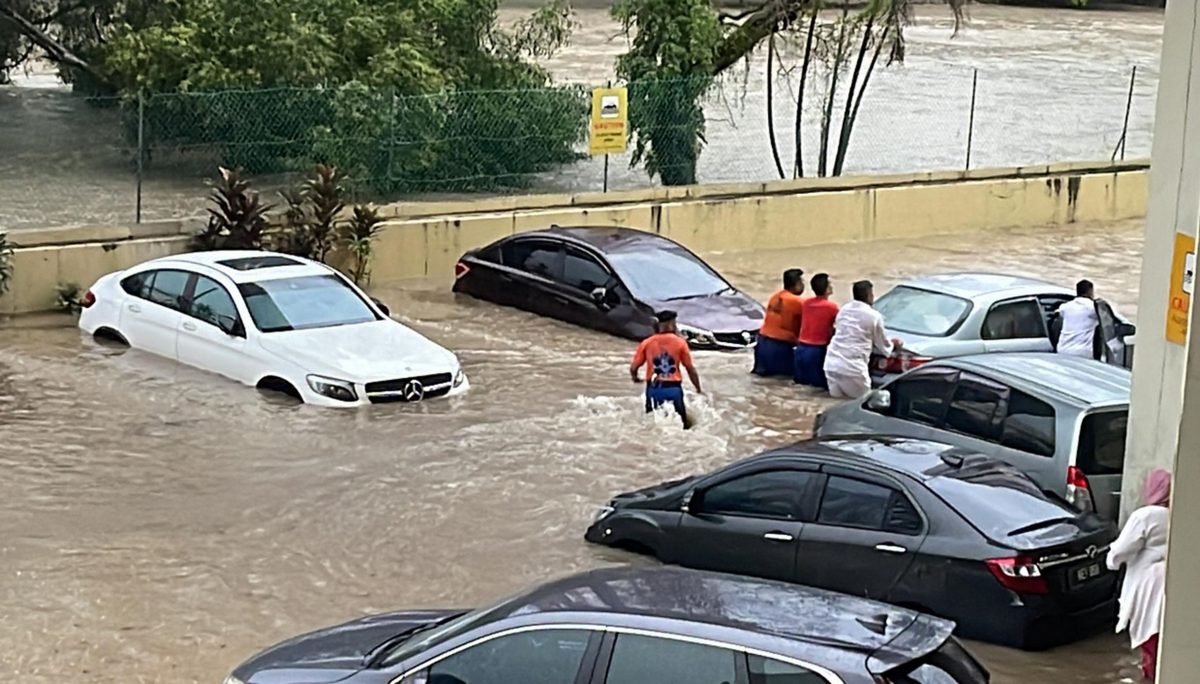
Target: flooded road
158 524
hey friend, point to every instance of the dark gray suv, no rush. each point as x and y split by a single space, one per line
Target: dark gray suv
634 626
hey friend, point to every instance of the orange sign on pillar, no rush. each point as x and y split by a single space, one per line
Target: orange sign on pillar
1183 278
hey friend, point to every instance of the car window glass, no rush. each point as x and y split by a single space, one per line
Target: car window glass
666 273
921 312
640 659
771 494
211 302
854 503
770 671
1102 443
167 288
583 272
977 408
306 302
921 396
138 284
1029 425
927 674
997 498
551 656
1014 321
539 257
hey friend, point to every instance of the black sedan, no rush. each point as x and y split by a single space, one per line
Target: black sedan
914 523
613 280
633 626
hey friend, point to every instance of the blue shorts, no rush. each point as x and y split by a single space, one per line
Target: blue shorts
773 357
667 393
810 365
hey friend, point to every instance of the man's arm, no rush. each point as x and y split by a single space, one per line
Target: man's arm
879 336
693 374
639 360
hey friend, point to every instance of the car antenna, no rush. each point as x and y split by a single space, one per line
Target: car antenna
952 459
876 623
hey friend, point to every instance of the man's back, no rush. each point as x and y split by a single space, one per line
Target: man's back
853 337
664 355
784 314
1079 321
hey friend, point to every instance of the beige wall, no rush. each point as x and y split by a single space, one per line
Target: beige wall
425 239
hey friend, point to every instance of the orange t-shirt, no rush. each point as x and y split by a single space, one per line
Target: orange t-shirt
817 327
784 311
663 355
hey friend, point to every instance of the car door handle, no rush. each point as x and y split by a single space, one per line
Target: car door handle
778 537
135 308
189 326
890 548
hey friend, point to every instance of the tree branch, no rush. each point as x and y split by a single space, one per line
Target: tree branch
61 12
55 51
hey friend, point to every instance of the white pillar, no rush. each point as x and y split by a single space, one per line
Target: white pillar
1174 208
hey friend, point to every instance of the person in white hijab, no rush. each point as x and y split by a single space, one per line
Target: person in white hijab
1142 549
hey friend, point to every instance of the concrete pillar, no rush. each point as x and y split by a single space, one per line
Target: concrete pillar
1174 210
1165 415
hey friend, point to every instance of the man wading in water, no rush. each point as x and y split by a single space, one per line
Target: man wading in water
663 354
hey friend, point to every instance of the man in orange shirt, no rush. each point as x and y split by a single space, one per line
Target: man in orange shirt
816 330
773 354
663 354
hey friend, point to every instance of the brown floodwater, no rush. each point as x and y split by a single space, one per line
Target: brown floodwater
158 524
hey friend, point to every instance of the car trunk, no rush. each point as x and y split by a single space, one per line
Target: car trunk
1071 559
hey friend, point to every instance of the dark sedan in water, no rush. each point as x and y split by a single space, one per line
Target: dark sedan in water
633 626
613 280
909 522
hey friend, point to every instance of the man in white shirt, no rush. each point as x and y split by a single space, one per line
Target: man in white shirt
858 330
1079 321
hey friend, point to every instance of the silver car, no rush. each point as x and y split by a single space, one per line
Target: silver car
955 314
1060 419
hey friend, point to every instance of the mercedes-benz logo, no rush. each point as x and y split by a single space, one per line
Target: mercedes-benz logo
414 390
1091 552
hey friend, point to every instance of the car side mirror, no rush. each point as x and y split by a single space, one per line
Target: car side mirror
231 326
1126 330
879 400
382 307
600 297
687 501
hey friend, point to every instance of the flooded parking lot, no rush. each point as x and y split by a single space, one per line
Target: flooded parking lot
158 524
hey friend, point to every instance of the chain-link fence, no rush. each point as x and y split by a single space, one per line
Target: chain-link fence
71 159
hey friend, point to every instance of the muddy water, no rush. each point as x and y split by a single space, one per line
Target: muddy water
158 524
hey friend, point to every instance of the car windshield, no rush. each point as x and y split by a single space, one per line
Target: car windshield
999 500
666 273
423 640
319 301
922 312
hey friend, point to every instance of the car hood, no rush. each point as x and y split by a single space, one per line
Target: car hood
729 312
663 495
333 653
380 350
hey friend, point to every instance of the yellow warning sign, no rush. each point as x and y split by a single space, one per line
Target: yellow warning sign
1183 278
610 121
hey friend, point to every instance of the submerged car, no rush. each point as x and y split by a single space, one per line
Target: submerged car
272 321
955 314
612 280
908 522
633 626
1060 419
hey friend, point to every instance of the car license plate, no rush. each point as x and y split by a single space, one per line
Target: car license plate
1085 573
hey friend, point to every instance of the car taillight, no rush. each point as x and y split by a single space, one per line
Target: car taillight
460 270
1020 574
1079 490
88 299
901 362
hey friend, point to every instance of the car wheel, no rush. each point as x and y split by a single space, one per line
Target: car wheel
276 385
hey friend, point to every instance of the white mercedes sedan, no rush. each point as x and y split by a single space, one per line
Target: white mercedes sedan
271 321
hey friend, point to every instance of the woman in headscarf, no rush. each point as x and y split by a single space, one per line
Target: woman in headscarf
1142 549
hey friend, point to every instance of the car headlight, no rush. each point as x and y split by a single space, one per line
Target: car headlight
459 378
233 680
334 389
697 335
603 513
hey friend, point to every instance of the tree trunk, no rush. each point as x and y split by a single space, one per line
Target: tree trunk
845 142
808 42
827 115
771 105
844 133
55 51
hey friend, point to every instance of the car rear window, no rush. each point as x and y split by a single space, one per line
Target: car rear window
1102 443
999 500
922 312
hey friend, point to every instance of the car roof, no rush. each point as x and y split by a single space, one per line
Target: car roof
760 606
985 285
919 458
246 266
1069 379
605 239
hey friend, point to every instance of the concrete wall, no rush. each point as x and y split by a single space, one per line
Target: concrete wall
425 239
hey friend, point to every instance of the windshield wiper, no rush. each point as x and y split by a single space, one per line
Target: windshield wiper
718 293
407 634
1039 525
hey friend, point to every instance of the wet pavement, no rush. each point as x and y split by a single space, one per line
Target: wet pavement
158 524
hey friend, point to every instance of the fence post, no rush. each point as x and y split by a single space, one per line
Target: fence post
391 142
971 120
141 153
1125 125
605 189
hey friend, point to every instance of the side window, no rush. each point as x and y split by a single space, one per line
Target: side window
167 288
138 284
922 396
1029 425
1014 321
211 303
551 656
853 503
768 671
640 659
582 271
770 494
540 257
978 407
1102 443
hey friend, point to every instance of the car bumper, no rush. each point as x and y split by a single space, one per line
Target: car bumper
1039 624
311 397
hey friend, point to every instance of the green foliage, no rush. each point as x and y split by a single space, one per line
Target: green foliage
6 263
357 237
68 298
670 65
324 194
237 219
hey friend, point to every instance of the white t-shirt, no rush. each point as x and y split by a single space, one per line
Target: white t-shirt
1079 321
857 330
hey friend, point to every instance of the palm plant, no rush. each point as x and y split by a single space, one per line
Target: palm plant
294 235
238 219
324 193
6 265
67 298
357 237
